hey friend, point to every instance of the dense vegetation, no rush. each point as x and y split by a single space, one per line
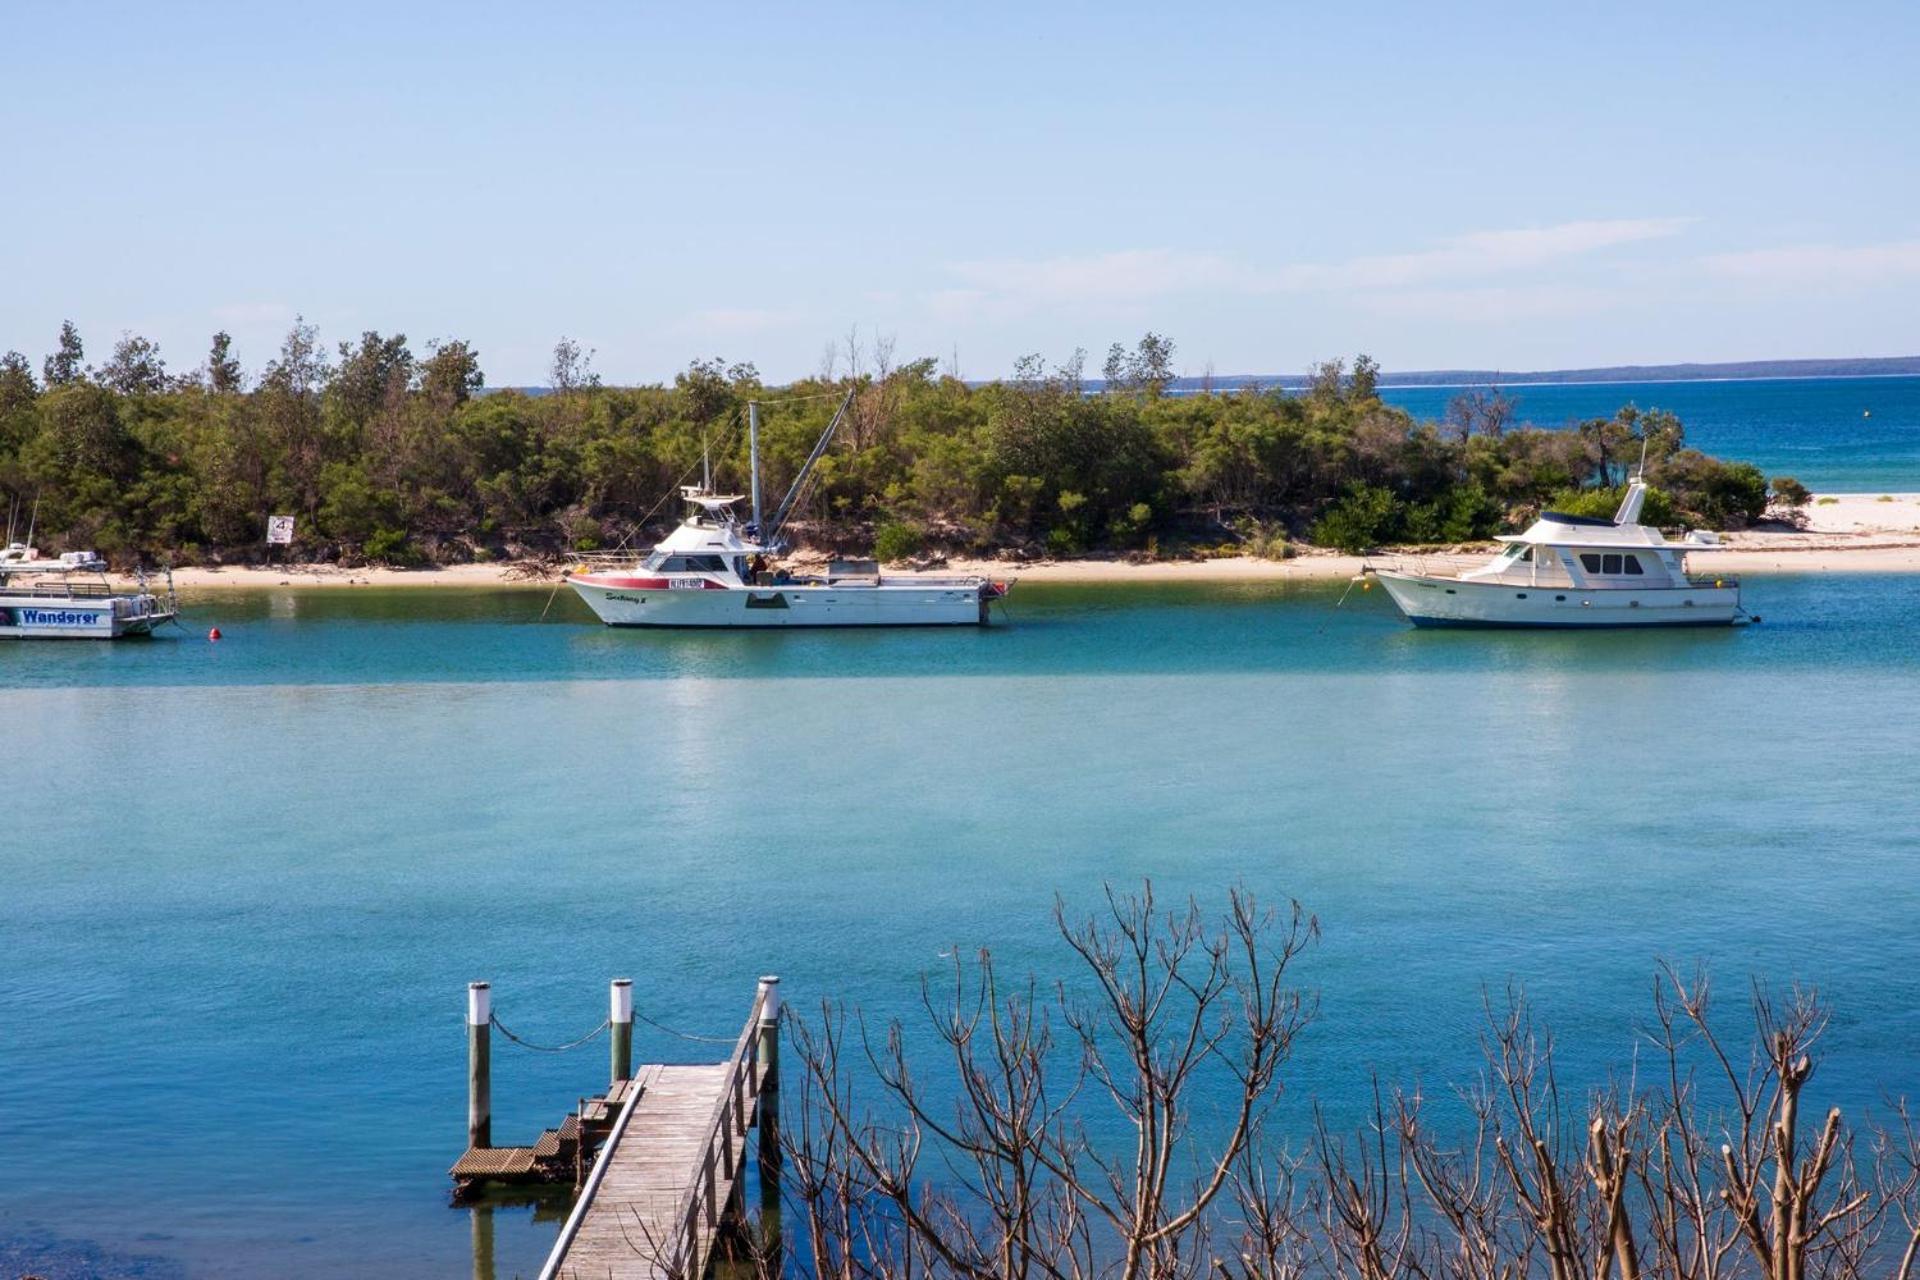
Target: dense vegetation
392 455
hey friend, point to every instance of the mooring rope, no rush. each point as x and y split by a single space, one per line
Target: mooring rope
601 1029
550 1048
660 1026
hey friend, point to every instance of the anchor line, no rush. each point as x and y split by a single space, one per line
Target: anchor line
550 1048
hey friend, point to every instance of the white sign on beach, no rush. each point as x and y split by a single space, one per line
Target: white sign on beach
279 531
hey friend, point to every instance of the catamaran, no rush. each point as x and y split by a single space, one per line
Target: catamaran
70 598
711 571
1574 571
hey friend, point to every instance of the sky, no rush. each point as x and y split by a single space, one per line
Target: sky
1488 186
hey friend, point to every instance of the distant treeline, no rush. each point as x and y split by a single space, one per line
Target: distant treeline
388 454
1729 370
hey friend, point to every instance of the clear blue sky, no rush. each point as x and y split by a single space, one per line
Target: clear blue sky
1508 186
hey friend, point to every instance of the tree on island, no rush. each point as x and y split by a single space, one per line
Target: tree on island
65 366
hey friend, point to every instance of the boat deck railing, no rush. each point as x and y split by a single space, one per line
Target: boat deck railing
59 590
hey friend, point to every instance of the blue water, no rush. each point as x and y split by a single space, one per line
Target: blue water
1840 435
244 884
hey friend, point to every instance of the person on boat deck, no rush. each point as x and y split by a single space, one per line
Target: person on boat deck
756 568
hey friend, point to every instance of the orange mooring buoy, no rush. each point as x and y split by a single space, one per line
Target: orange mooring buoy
214 634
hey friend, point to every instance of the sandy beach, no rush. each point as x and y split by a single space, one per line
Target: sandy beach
1858 533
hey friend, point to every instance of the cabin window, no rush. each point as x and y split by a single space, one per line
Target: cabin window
1520 553
1610 564
706 564
658 560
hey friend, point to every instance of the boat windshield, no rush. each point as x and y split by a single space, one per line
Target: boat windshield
1520 552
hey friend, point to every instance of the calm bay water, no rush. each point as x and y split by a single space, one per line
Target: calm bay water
245 883
1841 435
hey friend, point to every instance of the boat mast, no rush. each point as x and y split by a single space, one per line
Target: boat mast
753 458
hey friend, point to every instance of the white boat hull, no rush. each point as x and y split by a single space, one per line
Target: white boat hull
1458 602
28 618
650 602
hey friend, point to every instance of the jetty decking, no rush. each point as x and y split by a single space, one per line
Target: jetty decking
664 1179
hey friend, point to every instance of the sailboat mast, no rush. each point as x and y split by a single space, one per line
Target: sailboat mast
753 458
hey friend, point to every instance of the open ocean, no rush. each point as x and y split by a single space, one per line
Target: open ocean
245 883
1838 435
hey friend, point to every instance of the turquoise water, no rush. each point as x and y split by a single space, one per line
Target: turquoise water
245 883
1842 435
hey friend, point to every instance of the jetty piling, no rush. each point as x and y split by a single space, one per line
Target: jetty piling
620 1024
658 1161
479 1065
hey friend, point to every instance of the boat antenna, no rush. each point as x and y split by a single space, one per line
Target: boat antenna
706 463
1641 474
13 513
34 519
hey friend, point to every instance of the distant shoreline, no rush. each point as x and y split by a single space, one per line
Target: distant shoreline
1844 533
1810 370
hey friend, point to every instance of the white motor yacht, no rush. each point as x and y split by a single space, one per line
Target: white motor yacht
1574 571
70 598
713 572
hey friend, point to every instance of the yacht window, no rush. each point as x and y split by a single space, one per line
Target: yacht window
657 560
706 564
672 564
1591 559
1632 565
1610 564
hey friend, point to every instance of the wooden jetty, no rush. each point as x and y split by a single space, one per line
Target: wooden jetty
668 1149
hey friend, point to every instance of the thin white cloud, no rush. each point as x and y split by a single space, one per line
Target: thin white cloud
1007 287
729 322
1478 255
1821 265
1494 303
1129 275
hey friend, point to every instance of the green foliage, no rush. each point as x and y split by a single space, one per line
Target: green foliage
66 365
1790 493
1601 504
387 455
895 541
391 547
1365 517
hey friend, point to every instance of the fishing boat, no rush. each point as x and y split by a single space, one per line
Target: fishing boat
1574 571
714 571
71 598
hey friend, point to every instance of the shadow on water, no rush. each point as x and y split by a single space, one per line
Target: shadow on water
411 635
51 1257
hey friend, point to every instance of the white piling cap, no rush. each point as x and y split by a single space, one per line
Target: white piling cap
620 1001
479 1004
770 1006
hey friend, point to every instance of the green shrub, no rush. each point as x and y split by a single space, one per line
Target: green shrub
896 540
1790 493
1364 518
1600 504
391 547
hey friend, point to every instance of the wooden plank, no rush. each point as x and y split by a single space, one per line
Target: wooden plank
633 1219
